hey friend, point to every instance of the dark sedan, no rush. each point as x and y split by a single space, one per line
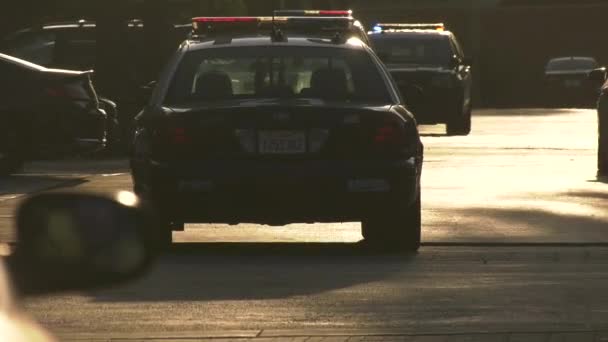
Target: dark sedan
280 129
46 112
567 84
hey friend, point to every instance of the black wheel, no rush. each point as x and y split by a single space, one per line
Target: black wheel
164 229
395 230
460 123
165 237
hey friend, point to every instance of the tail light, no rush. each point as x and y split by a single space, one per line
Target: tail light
396 138
390 133
179 136
57 92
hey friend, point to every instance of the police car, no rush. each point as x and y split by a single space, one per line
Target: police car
428 64
264 126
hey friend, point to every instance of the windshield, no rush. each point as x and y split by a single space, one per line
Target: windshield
420 50
572 64
277 73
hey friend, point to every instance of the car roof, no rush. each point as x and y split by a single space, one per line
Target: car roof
255 41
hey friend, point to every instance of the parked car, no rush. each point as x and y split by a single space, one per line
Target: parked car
73 45
431 70
567 84
46 112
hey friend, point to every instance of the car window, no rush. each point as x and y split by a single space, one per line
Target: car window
287 72
75 50
572 64
36 47
425 50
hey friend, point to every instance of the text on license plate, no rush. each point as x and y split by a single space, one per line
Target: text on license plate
282 142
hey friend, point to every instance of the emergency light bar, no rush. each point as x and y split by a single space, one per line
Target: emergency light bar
205 26
426 26
314 13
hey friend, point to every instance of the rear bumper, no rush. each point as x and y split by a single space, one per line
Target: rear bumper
278 193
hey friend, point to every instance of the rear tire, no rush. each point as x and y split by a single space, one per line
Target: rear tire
398 229
165 237
460 124
164 232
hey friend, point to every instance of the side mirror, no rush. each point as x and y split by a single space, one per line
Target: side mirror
597 75
454 62
69 242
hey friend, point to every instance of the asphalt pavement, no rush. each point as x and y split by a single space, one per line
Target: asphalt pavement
515 234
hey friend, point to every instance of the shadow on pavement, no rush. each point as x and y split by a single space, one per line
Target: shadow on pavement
599 179
540 224
588 194
26 184
258 271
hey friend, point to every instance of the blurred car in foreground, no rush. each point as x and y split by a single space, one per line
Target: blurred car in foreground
46 112
275 128
431 70
567 84
71 242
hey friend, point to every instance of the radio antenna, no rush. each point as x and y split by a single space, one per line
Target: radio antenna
277 34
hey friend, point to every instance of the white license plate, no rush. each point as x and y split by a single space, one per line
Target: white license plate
572 83
282 142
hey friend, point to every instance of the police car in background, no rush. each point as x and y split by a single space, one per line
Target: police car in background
431 70
251 123
567 84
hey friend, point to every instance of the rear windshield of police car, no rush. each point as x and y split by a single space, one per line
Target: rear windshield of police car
572 64
432 50
224 74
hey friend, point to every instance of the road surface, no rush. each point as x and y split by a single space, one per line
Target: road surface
515 232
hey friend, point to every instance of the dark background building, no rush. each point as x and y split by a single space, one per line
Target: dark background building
510 40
